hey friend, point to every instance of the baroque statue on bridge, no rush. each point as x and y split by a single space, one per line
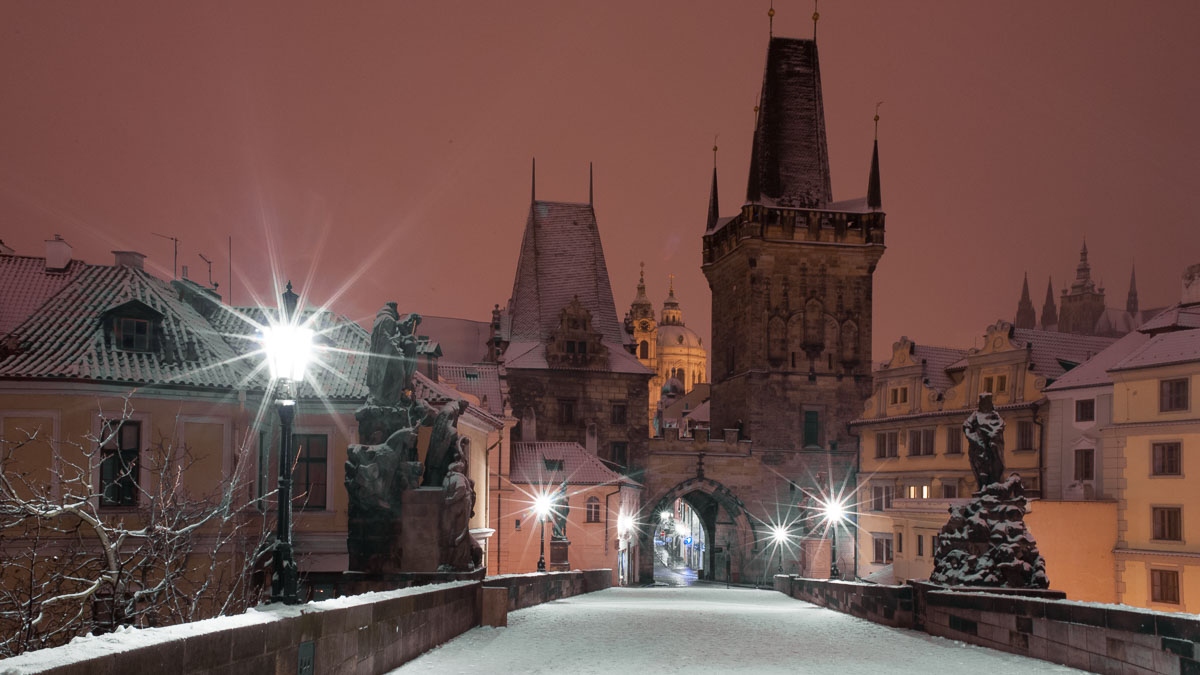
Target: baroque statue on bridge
383 472
985 431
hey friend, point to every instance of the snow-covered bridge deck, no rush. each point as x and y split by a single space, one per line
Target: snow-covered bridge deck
705 629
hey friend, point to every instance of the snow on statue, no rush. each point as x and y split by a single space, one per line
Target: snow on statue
986 543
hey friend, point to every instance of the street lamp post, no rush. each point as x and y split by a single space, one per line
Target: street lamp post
834 512
288 347
780 535
541 506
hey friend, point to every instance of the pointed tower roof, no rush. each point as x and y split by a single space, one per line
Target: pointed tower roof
1083 272
1131 303
1049 310
1026 318
561 258
874 197
714 209
789 159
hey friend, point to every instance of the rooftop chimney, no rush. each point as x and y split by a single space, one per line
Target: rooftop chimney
6 249
58 254
129 259
1191 286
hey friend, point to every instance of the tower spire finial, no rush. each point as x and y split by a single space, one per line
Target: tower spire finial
874 194
877 119
533 182
816 18
771 20
715 136
591 202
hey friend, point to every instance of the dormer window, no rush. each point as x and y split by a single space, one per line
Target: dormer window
553 464
133 326
132 334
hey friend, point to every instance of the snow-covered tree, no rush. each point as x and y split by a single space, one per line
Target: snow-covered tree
176 553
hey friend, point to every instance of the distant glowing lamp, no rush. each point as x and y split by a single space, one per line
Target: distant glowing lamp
834 513
779 534
624 524
665 515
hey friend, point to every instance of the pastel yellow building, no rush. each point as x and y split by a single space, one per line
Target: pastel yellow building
1153 441
913 463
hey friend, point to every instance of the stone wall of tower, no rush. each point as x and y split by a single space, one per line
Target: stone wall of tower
792 330
594 393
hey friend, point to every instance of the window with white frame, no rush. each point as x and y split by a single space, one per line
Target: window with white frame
882 545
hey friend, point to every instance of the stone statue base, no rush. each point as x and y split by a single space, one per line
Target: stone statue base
414 541
986 543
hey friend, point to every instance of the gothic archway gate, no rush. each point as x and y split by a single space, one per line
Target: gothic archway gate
729 531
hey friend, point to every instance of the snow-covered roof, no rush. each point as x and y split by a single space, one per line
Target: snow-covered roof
561 258
25 284
1164 349
937 360
481 380
537 464
65 338
1094 372
1177 317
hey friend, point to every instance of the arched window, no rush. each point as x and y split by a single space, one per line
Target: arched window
644 350
593 510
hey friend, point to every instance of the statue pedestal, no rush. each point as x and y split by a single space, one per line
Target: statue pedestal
419 529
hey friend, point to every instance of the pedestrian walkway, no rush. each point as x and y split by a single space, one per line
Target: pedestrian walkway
666 574
702 629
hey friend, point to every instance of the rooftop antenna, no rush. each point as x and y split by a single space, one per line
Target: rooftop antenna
816 18
175 261
210 281
771 20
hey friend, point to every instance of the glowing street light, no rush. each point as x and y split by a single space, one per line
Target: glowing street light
779 535
833 511
624 524
542 505
665 516
288 347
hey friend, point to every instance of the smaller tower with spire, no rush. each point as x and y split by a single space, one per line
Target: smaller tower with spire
672 315
1131 302
1049 309
1026 317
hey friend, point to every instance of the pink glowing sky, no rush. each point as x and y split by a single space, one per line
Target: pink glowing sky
384 148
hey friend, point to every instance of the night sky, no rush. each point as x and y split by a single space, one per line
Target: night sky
383 149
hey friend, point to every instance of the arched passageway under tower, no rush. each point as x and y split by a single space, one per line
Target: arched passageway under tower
723 536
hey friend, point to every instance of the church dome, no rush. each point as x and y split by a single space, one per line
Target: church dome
673 387
677 335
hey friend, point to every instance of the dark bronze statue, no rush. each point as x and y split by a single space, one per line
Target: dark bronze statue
443 442
985 431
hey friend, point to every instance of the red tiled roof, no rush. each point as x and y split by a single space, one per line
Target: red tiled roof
25 284
580 467
1050 347
1094 372
532 355
561 258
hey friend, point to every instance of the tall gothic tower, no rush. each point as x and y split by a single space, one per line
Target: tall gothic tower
791 275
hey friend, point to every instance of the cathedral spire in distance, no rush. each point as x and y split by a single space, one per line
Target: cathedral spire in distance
714 209
1131 303
1049 311
1026 318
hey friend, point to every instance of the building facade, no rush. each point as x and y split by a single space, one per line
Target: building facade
666 346
913 458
